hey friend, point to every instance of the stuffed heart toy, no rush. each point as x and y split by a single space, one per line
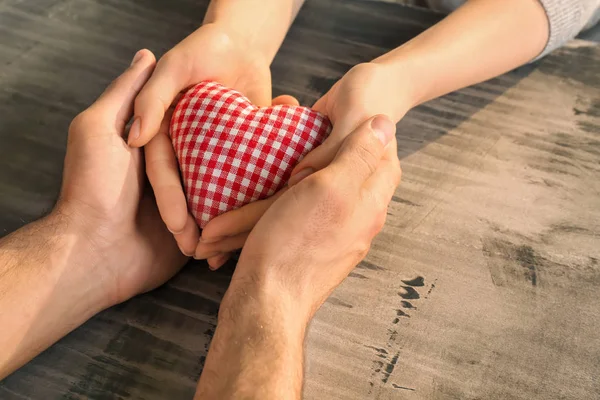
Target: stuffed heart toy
232 153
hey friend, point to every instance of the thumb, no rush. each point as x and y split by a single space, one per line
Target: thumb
285 100
117 100
155 99
362 151
344 121
324 154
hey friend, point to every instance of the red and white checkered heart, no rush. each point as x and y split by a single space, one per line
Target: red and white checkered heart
232 153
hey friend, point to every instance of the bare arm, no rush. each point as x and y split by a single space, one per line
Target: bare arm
257 350
44 289
102 244
480 40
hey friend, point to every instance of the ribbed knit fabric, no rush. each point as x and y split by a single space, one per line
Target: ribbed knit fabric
566 17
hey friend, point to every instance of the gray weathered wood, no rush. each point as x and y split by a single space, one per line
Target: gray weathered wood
483 284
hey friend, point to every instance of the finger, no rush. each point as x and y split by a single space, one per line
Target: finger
163 173
344 120
117 100
237 221
169 78
323 155
316 160
188 238
214 263
381 186
362 152
258 89
322 104
227 245
286 100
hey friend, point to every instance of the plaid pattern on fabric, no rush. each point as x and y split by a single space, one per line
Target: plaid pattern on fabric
232 153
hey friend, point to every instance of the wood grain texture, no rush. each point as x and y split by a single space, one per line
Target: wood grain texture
483 284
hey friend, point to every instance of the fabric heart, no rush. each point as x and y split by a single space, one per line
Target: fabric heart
232 153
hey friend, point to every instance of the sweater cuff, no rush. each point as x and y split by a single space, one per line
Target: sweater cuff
565 18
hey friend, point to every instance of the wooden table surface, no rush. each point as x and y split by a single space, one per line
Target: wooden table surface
484 284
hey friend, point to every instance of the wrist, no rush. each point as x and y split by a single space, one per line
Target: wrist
45 291
403 83
257 349
83 259
261 302
229 36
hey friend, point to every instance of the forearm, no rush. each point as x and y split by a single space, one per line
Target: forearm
481 40
43 292
257 349
263 24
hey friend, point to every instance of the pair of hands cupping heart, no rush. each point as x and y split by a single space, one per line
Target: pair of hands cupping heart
232 153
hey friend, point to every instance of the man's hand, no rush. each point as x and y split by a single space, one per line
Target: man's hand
104 189
326 222
301 249
363 92
102 244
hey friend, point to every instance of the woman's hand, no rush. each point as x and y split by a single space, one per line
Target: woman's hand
210 53
363 92
509 33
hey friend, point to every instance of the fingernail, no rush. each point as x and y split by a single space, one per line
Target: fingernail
203 255
212 240
300 175
218 263
134 132
185 253
138 56
384 128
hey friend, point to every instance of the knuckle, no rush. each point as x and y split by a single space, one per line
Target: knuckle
169 59
140 99
398 174
379 221
319 184
362 249
379 205
367 71
355 86
379 213
82 121
113 84
339 201
153 168
332 204
328 191
176 61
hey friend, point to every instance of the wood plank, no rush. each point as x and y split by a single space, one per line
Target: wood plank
498 215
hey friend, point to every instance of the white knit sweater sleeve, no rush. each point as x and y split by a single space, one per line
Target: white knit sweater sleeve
567 18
